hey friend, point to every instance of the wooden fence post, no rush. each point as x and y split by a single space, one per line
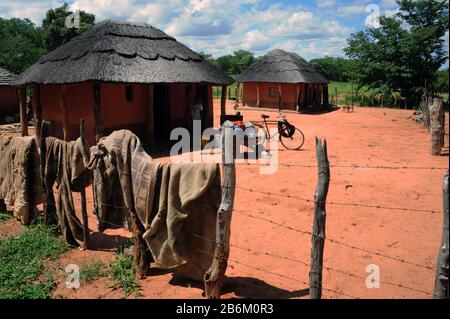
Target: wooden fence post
437 131
441 288
22 97
48 200
318 234
216 273
83 197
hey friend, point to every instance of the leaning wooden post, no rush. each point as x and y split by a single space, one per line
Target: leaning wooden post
318 234
22 97
83 198
97 112
441 287
437 131
216 273
238 93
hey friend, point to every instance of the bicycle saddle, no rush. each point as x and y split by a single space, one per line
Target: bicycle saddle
264 116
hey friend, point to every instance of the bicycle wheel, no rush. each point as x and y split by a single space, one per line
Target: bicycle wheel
294 142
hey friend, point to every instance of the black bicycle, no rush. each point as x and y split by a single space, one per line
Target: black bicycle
291 137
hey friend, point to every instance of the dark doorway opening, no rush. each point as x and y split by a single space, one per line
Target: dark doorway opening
161 112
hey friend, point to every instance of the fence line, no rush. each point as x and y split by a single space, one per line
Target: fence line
338 242
340 204
280 275
255 252
353 166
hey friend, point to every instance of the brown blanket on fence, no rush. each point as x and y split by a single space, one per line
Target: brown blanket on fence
65 165
176 203
20 179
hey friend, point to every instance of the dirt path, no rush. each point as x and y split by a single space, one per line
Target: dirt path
370 136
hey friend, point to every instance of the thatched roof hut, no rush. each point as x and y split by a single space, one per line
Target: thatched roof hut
283 80
8 97
122 74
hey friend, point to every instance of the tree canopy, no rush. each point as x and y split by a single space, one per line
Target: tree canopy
233 64
22 43
405 53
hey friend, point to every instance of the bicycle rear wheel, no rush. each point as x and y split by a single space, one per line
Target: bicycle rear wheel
295 142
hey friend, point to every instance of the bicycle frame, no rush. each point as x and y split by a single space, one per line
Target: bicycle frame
266 123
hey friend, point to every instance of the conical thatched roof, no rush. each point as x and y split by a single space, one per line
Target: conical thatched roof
279 66
6 77
120 51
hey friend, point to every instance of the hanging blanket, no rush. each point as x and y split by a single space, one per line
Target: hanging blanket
20 179
176 203
65 165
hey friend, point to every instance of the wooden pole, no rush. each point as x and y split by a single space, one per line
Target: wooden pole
223 100
141 257
48 200
335 95
280 97
238 93
257 95
65 112
97 113
326 101
298 98
441 286
83 198
318 236
216 273
437 130
37 111
22 97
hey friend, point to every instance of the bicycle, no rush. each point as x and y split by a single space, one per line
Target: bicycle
291 137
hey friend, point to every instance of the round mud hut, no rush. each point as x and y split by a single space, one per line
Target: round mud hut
120 75
284 81
9 107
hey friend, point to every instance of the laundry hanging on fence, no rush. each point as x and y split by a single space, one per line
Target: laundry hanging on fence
20 179
65 165
176 203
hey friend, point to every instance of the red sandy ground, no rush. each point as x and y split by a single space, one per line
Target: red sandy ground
369 136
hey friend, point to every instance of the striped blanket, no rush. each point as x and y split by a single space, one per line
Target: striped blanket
176 203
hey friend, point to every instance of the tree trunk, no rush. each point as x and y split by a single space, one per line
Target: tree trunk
441 287
216 273
141 260
318 236
437 130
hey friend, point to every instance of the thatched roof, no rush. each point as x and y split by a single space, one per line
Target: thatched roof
124 52
279 66
6 77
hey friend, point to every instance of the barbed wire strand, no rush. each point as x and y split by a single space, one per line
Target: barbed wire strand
338 203
398 259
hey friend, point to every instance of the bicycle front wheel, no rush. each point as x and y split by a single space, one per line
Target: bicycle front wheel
295 142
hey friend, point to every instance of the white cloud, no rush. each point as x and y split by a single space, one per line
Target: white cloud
32 9
351 10
325 3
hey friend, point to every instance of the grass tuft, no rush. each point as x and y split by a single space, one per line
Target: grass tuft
23 274
95 270
122 273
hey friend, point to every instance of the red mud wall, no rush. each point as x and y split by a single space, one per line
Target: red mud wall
288 93
8 101
177 105
118 113
79 106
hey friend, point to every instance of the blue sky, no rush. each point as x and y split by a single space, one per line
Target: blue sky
312 28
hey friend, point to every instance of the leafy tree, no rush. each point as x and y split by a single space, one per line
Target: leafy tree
21 44
405 52
233 64
335 69
442 81
55 30
207 56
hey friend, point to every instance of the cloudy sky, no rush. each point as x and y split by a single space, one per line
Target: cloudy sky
312 28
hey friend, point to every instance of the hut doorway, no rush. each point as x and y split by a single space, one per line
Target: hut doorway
161 111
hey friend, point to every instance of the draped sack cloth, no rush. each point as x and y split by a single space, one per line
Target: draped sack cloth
20 177
65 165
176 203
